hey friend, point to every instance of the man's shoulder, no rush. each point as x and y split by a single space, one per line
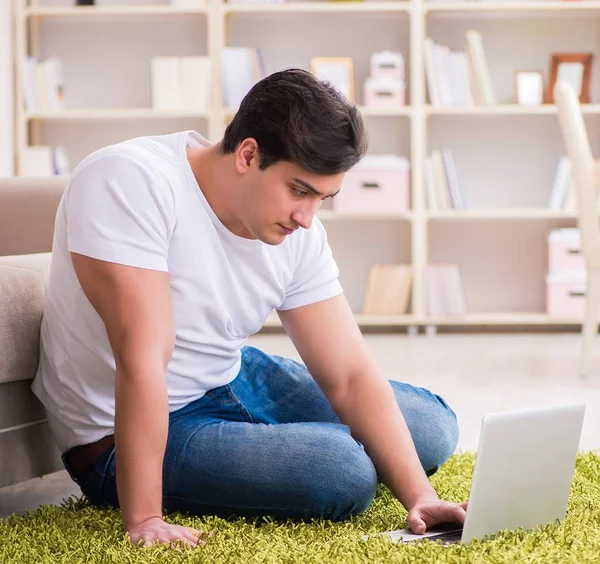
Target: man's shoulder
147 152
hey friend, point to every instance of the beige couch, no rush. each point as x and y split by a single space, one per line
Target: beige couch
27 212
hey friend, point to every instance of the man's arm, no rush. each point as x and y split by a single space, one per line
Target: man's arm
135 305
331 345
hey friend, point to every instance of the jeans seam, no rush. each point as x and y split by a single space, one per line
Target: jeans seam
240 402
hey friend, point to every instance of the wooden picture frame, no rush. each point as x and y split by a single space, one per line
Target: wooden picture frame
339 71
574 68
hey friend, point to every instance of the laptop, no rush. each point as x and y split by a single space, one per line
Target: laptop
522 476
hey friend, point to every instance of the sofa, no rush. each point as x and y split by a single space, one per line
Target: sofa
27 211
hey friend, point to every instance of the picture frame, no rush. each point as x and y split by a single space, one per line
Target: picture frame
530 87
338 71
574 68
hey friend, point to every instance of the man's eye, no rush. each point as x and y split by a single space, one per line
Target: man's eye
301 193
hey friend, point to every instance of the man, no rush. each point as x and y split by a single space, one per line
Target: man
168 253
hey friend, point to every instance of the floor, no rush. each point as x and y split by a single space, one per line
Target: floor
475 373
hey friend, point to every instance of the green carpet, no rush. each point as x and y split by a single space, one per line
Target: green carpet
76 532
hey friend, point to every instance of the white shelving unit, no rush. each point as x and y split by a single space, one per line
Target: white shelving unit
506 154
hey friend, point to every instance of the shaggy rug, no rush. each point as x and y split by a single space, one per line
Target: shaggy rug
76 532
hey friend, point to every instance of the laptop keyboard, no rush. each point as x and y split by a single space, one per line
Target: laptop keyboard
450 537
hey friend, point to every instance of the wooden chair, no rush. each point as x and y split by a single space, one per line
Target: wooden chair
586 174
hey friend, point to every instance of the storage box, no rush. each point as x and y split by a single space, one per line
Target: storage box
384 93
564 250
379 184
566 294
387 64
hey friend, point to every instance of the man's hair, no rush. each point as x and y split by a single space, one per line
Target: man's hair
295 117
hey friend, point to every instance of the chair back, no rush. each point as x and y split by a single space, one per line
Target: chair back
585 171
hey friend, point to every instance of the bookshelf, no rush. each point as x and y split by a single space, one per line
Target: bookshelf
507 153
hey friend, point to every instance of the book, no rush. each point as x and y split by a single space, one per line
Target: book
388 289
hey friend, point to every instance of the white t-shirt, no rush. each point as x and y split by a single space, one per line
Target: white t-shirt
137 203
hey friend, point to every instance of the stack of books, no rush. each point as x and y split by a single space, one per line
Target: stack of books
458 78
388 289
43 84
442 183
43 161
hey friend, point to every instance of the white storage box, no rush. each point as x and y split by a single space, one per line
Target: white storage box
384 93
564 250
387 64
566 294
378 184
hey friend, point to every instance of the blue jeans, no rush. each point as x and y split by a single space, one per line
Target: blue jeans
269 444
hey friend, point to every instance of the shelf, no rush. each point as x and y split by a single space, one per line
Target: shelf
518 8
331 215
111 114
500 214
402 111
474 319
111 11
530 319
317 7
362 320
504 110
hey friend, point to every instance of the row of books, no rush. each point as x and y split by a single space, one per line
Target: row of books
176 83
181 83
241 69
458 78
44 161
389 288
43 84
444 290
185 83
442 183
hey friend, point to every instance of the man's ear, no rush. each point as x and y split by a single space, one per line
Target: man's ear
247 155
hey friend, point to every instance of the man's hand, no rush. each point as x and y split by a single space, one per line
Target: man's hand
155 530
432 511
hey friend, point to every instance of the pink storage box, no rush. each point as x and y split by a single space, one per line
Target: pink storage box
379 184
565 295
564 250
384 93
387 64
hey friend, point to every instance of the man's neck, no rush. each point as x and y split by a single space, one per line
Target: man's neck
215 175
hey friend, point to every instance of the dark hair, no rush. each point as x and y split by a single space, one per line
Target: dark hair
293 116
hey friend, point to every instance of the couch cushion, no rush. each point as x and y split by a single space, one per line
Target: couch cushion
38 262
21 307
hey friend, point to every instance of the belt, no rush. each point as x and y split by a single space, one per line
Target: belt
81 457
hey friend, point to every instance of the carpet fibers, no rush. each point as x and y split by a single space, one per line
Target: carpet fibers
76 532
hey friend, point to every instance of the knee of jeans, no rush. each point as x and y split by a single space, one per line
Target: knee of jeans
353 482
443 440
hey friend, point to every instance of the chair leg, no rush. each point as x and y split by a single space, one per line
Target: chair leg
590 324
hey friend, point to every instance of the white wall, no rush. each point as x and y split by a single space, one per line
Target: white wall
6 91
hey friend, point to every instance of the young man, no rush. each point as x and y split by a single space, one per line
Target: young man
168 253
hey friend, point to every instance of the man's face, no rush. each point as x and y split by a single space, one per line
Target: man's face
284 197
